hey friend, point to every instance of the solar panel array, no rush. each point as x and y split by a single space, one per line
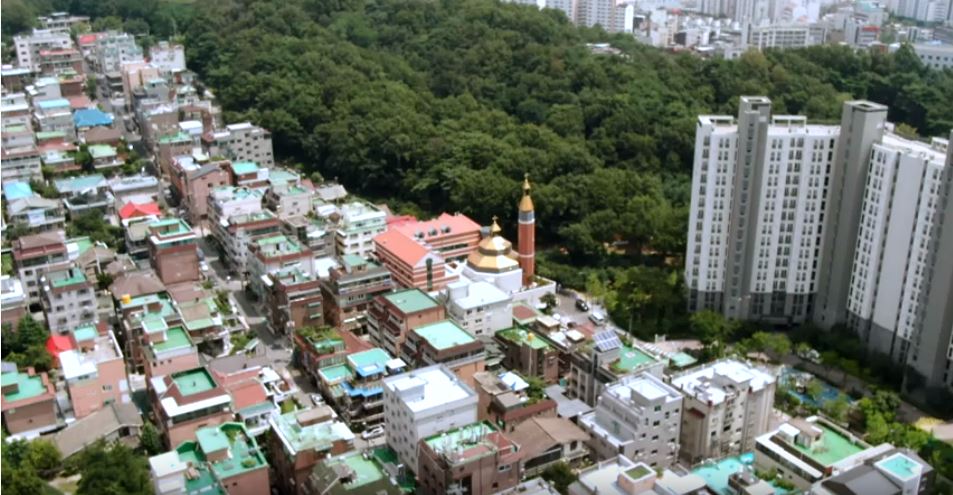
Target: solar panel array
607 340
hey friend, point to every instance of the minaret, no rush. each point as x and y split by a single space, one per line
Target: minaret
526 244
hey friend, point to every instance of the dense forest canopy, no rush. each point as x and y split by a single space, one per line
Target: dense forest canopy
443 105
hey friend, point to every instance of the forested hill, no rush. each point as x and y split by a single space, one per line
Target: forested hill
445 104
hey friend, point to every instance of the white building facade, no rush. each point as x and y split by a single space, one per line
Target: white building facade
727 404
244 142
639 417
759 194
899 216
422 403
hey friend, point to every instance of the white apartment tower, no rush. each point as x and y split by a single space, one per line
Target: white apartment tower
639 417
932 353
244 142
727 405
422 403
759 198
29 46
891 264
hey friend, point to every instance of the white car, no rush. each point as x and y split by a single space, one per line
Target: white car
316 399
373 433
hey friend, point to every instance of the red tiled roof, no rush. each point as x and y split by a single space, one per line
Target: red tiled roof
402 246
353 343
133 210
458 223
79 102
247 393
396 220
522 312
57 344
87 39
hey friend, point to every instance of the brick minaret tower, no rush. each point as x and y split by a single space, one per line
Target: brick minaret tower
527 235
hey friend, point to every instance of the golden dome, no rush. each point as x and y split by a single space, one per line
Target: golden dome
526 203
494 254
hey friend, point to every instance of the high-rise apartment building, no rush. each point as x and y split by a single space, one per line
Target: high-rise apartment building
836 225
759 198
891 263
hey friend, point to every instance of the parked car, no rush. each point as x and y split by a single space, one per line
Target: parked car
582 305
373 433
597 318
316 399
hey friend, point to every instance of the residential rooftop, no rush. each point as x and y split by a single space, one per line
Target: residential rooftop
65 278
193 381
319 437
28 386
277 245
470 442
709 382
411 300
80 364
631 359
101 151
366 475
242 168
444 335
370 362
85 332
520 336
175 338
830 448
901 466
429 389
78 184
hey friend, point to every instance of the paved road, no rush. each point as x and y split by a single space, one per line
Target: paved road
277 349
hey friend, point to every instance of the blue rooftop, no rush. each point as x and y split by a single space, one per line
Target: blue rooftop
17 190
92 117
48 104
78 184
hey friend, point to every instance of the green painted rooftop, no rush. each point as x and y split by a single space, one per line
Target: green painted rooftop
211 440
630 359
901 466
411 300
638 472
520 336
84 333
101 151
371 357
77 184
27 386
170 227
203 481
175 138
830 448
335 373
153 322
282 244
353 260
49 135
366 471
193 381
471 441
444 335
65 278
242 168
175 338
318 436
682 360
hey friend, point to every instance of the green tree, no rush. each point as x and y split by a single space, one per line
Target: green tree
149 439
561 476
44 457
113 468
91 86
837 409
